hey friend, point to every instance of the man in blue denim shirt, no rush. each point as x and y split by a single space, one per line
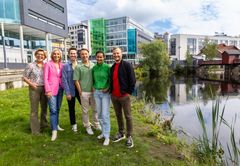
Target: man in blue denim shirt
69 86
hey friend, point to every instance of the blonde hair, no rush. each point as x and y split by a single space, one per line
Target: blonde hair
40 50
54 50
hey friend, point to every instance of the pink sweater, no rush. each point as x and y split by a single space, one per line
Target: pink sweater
52 79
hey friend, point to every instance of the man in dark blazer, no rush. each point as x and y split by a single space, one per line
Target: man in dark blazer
121 87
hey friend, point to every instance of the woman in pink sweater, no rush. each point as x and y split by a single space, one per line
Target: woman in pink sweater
54 89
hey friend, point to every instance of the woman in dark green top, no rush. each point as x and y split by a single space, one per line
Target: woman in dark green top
101 83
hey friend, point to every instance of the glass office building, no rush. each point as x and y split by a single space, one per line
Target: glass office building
126 33
98 35
25 27
106 34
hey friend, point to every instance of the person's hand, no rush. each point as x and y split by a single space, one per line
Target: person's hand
80 93
33 85
105 90
69 97
49 95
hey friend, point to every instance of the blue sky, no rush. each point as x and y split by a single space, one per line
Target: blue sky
174 16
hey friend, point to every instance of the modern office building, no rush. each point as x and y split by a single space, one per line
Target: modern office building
105 34
165 37
78 35
180 43
30 24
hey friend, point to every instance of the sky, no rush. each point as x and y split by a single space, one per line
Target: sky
203 17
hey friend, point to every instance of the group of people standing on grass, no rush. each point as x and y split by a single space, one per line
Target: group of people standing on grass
93 85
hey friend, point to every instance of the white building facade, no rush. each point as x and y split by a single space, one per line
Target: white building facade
181 43
79 35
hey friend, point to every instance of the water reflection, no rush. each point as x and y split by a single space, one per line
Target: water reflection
156 89
184 93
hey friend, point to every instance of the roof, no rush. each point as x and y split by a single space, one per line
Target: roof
232 52
223 47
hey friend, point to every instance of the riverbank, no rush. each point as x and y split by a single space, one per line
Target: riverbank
19 147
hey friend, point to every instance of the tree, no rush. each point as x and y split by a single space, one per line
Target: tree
209 49
156 57
189 59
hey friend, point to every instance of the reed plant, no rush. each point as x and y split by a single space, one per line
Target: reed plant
209 148
233 147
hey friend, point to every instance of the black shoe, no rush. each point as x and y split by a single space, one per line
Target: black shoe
129 142
119 137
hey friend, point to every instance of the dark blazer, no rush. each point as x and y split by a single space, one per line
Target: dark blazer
126 77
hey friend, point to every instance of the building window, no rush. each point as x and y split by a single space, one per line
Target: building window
132 41
116 35
44 19
192 45
81 37
233 42
173 46
10 11
116 28
54 5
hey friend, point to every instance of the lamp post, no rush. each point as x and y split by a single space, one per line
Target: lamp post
4 48
179 47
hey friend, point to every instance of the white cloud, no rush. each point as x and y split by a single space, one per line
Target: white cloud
191 17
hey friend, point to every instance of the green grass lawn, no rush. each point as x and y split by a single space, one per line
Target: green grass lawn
19 147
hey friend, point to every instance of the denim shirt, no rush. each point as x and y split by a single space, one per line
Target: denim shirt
67 79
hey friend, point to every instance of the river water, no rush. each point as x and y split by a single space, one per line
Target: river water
181 96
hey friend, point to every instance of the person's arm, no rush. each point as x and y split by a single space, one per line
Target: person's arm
131 77
76 78
47 87
26 77
31 84
108 81
78 86
65 82
93 79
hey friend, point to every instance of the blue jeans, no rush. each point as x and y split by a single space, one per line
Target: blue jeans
102 105
54 105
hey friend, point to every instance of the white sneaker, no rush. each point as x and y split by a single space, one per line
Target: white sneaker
100 136
59 128
89 131
54 135
74 128
98 127
106 142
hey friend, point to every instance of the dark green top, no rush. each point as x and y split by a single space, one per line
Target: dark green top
101 76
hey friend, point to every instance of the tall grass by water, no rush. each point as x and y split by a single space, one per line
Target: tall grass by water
209 149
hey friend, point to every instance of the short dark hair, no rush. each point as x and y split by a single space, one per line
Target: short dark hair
83 49
70 49
101 52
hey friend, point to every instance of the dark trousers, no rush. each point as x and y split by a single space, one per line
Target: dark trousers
71 107
119 104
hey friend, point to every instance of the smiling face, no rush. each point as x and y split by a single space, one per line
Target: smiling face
56 56
73 55
40 56
84 56
100 58
117 55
